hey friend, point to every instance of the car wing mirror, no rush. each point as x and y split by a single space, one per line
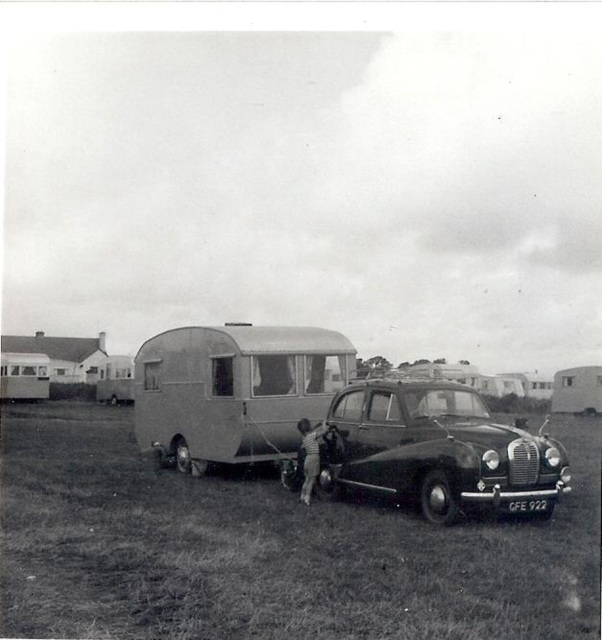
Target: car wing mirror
543 426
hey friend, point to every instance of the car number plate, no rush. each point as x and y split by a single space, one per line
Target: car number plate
526 506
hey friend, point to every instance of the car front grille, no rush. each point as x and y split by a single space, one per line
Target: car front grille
524 462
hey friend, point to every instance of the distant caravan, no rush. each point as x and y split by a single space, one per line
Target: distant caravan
116 381
234 394
25 376
578 390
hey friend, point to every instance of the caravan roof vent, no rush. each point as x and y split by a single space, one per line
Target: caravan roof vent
238 324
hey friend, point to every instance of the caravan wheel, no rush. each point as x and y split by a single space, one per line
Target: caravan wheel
183 461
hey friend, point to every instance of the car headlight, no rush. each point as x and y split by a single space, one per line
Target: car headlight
491 459
552 456
565 475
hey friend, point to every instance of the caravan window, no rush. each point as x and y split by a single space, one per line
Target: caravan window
324 374
223 376
14 370
28 371
274 375
568 381
4 370
152 376
43 371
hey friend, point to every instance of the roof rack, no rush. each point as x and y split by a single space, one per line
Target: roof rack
400 377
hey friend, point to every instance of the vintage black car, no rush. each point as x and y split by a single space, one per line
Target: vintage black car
435 441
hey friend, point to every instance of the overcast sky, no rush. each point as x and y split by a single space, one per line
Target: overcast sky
428 194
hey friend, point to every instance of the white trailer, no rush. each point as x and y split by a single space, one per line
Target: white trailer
500 385
115 383
535 385
578 390
25 376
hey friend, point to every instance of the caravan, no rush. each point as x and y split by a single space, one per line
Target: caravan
234 394
116 380
25 376
578 390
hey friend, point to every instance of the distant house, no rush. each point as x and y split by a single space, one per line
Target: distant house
71 359
535 385
578 390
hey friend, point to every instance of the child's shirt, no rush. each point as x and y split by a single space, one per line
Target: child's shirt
310 442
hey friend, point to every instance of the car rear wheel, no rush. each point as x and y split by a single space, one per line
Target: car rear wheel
183 460
327 488
438 503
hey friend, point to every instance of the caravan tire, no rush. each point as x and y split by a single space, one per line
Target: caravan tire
183 460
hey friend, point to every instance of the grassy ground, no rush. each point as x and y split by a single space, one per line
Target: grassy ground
97 543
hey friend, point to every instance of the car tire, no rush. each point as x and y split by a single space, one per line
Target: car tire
327 488
437 501
183 459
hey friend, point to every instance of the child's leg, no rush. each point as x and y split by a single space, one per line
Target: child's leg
310 486
303 490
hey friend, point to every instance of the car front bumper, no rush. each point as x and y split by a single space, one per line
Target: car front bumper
497 496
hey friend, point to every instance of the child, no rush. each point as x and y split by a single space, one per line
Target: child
311 446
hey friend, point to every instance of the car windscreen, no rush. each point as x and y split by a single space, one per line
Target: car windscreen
438 402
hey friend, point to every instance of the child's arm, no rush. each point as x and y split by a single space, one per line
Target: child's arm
321 430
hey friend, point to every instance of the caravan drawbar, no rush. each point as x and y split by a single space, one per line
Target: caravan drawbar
234 394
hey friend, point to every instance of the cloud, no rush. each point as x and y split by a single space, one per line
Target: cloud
473 143
427 194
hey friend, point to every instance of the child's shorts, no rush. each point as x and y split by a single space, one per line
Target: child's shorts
311 468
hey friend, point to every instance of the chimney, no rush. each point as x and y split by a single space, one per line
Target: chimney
39 334
102 338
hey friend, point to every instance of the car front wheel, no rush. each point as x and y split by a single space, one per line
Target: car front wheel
438 503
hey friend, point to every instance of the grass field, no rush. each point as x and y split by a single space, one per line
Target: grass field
97 543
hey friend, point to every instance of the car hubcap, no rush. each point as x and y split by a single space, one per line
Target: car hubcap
183 457
326 480
438 498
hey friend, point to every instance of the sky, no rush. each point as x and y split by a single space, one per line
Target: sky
427 193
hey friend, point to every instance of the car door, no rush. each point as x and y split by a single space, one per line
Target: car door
346 415
382 429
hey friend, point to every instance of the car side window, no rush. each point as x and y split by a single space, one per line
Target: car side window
349 407
384 407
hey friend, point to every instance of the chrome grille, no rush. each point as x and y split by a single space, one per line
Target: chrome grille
524 462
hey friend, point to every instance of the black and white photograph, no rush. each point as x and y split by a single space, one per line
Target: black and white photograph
301 321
